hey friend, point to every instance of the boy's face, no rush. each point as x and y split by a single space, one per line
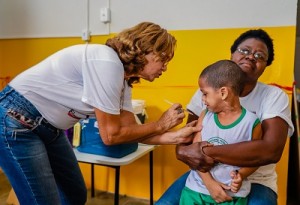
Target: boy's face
211 97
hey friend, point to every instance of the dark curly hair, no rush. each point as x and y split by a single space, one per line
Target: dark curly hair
258 34
133 44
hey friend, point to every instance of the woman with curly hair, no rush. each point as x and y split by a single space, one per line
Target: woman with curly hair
72 84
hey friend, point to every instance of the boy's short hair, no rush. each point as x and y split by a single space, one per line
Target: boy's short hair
224 73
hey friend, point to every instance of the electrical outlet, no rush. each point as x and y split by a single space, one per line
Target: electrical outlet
86 35
105 15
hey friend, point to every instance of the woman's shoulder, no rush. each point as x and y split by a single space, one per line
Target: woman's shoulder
101 52
268 89
271 95
265 86
100 47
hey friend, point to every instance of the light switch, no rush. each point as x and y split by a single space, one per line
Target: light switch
105 15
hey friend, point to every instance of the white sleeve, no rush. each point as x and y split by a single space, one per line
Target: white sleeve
196 104
103 81
277 105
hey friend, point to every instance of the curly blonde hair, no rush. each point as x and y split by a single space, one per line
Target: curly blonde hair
133 44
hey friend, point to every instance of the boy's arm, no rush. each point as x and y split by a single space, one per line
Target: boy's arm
198 137
215 188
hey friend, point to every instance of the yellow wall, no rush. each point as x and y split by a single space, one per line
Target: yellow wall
196 49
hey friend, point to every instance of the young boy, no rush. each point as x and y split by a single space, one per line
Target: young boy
224 121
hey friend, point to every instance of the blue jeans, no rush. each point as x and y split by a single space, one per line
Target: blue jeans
259 195
36 157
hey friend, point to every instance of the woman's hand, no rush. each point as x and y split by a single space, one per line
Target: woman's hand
181 136
185 135
193 156
172 117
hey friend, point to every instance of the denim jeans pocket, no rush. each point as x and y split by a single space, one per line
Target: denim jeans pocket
15 124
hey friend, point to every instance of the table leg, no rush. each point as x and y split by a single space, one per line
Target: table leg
117 183
92 181
151 176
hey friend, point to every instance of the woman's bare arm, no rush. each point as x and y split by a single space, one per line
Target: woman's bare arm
258 152
254 153
117 129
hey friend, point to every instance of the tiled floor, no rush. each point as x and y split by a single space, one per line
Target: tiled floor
101 198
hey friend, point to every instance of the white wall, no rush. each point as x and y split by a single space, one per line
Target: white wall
204 14
61 18
50 18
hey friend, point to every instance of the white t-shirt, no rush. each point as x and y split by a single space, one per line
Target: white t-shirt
69 84
266 102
